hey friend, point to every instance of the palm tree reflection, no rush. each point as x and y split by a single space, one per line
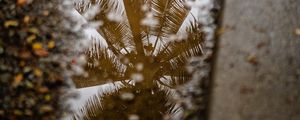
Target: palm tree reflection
147 104
148 45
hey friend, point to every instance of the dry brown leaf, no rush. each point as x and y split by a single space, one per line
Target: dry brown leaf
252 59
41 52
22 2
25 54
17 79
43 89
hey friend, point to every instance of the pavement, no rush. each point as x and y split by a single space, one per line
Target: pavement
257 71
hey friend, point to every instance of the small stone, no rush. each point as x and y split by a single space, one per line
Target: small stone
297 31
252 59
46 13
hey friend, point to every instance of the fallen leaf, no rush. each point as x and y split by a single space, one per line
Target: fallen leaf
221 30
73 61
246 90
37 72
1 50
29 85
22 2
41 53
1 112
30 38
26 19
33 30
51 44
46 108
25 54
17 80
22 63
37 46
11 23
43 89
28 112
18 112
47 97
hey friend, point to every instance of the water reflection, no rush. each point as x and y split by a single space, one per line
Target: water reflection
148 45
132 103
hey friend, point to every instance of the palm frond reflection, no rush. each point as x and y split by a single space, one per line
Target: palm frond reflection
141 54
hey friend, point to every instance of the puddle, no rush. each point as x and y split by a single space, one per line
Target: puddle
145 47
